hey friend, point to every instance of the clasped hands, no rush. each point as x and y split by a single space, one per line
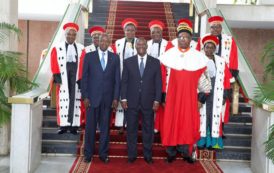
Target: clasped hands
125 106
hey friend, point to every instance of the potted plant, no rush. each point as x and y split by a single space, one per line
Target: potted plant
13 80
266 93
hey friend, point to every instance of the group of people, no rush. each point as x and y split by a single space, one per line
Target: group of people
180 88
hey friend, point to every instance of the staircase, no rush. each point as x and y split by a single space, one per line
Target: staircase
237 145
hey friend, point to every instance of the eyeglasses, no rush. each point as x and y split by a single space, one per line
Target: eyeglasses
215 26
183 38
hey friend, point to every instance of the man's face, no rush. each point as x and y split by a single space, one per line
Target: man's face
130 31
141 47
71 36
209 49
104 42
216 29
156 34
184 40
95 39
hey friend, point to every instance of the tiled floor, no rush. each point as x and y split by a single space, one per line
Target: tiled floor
52 164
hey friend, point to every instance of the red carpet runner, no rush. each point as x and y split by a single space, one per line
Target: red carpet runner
143 12
120 165
118 160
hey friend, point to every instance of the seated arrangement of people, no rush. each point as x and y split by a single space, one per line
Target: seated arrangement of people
180 88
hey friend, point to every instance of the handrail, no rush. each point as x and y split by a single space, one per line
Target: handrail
43 74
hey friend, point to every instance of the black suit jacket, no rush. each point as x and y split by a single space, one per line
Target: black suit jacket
141 91
97 85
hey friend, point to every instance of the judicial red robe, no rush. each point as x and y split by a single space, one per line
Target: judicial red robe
58 66
181 121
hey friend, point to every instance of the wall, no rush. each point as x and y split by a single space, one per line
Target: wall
252 42
40 34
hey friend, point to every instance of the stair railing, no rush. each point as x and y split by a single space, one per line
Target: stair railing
26 119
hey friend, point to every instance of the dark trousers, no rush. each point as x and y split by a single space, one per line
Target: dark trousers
182 149
71 73
100 115
132 118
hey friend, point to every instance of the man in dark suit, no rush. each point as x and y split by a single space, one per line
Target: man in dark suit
141 89
100 91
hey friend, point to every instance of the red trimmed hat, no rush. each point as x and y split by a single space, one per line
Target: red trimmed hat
156 23
184 25
185 22
210 39
129 21
96 29
71 25
215 19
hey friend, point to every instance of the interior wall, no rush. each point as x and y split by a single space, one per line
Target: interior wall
40 34
252 42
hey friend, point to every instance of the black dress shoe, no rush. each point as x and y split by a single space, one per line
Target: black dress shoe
131 160
121 131
61 131
87 160
148 160
189 159
74 132
170 159
104 159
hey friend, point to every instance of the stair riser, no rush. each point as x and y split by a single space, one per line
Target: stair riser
243 129
240 118
233 155
59 149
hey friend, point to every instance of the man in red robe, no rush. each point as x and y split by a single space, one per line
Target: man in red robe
181 121
66 66
227 47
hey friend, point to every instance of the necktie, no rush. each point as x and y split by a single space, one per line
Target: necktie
142 67
220 45
103 64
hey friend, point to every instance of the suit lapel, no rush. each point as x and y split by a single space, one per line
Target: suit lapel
109 61
97 60
137 65
147 66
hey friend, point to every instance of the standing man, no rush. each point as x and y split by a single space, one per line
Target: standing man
212 112
95 33
140 93
156 47
125 48
181 118
174 42
100 92
66 66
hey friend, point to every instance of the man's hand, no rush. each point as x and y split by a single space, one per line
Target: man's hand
114 105
199 105
155 106
86 103
124 105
